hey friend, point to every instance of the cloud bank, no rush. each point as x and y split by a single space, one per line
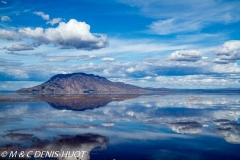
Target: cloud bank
9 35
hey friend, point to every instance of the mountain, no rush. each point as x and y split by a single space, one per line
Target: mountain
82 83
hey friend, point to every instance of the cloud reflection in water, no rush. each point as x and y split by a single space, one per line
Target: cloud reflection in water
180 117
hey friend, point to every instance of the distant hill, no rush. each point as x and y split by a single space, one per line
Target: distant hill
78 83
82 83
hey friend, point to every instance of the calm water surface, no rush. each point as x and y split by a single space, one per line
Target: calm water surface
150 127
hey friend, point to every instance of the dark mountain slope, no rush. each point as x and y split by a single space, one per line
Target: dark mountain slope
82 83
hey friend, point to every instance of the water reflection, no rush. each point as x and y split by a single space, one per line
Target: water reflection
186 127
162 126
63 143
81 103
230 130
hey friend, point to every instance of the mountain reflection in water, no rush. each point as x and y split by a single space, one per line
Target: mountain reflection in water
148 127
81 103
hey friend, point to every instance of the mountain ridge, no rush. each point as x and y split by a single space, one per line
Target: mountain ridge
82 83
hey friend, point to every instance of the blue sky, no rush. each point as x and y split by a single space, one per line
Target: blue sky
184 44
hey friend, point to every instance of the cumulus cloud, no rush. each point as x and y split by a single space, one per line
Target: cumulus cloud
186 55
229 52
186 127
54 21
73 34
43 15
5 18
9 35
110 59
20 47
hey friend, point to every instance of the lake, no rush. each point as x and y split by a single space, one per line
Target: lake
121 127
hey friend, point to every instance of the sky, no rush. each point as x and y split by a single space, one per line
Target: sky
171 44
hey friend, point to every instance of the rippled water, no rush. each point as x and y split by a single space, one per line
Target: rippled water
150 127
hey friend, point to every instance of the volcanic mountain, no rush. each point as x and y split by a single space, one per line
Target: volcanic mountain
82 83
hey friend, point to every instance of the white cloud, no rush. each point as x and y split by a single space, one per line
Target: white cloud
221 61
63 58
185 15
169 74
229 52
130 70
110 59
20 47
47 18
140 46
186 55
187 9
73 34
46 57
58 58
9 35
197 81
54 21
108 124
43 15
5 18
4 2
168 26
122 48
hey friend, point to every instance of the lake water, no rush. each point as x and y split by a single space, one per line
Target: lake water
131 127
